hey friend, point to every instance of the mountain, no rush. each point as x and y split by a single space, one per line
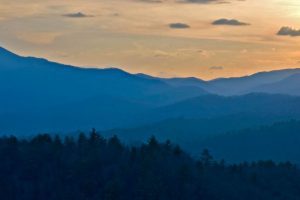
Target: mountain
191 121
289 85
210 106
242 85
190 132
38 94
237 138
179 82
279 142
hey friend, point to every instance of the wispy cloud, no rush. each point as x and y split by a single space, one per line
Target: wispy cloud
77 15
190 1
38 38
152 1
216 68
205 1
179 25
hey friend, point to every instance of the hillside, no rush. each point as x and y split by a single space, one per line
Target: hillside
38 94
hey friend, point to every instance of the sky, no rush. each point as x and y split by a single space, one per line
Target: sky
168 38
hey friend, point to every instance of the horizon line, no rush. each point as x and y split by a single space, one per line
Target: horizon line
141 73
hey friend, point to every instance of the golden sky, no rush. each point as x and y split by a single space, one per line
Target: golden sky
159 37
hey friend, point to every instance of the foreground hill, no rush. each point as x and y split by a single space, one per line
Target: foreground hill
92 167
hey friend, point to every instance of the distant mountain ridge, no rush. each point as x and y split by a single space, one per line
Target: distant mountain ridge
258 82
247 84
289 85
39 95
243 85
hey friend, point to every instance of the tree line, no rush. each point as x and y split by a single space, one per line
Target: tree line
91 167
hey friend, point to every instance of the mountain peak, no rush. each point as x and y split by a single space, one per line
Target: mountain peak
4 53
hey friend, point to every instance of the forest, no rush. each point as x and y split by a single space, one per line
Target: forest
90 167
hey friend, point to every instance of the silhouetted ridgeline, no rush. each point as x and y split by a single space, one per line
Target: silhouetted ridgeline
92 167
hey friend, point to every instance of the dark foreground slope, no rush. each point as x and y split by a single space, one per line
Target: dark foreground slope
94 168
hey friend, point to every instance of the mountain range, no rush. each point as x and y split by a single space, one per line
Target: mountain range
53 96
38 95
274 82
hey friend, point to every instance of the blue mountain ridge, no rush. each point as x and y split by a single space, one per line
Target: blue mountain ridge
40 95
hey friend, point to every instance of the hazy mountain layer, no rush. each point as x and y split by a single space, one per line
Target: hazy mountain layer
38 96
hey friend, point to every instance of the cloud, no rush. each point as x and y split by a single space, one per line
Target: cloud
216 68
288 31
160 54
151 1
77 15
179 26
229 22
181 52
189 1
39 38
204 1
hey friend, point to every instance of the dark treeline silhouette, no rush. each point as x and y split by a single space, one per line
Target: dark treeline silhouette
92 167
